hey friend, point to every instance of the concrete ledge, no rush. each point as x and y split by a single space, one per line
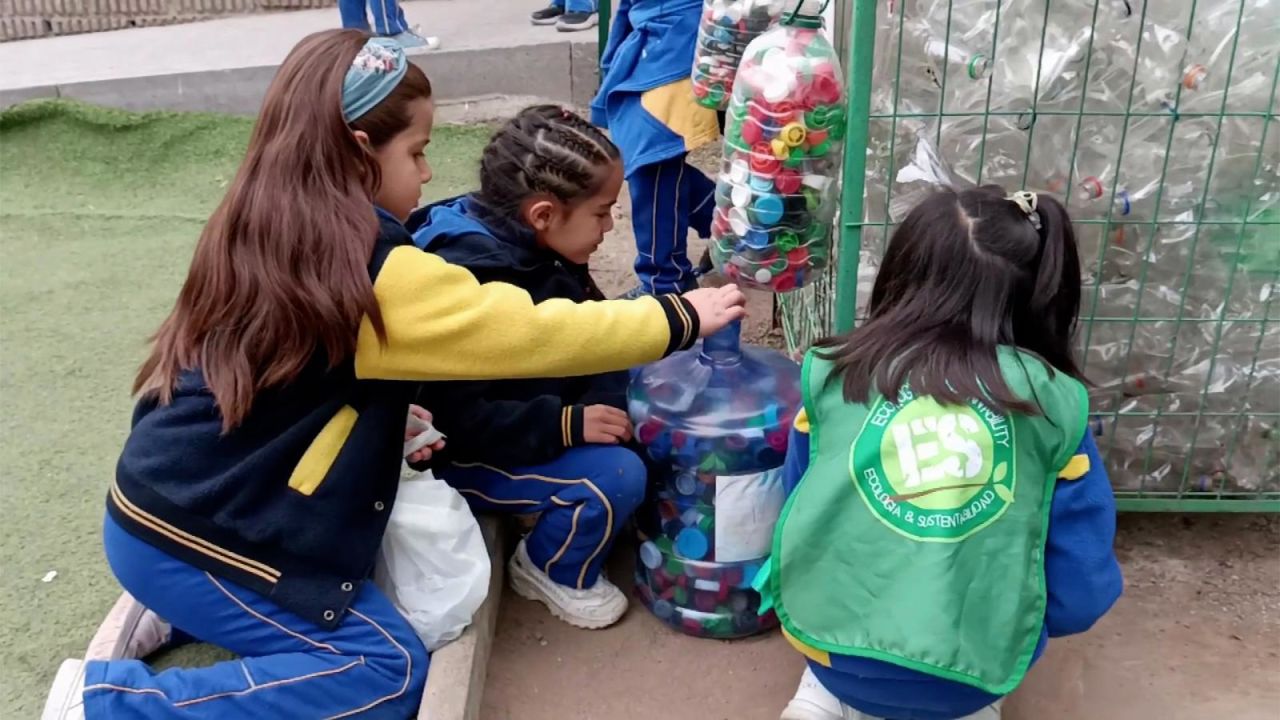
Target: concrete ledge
455 682
470 78
489 51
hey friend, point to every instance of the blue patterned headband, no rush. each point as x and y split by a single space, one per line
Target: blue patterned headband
372 76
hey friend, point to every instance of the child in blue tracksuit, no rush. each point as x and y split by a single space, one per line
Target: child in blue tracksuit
646 101
952 512
554 446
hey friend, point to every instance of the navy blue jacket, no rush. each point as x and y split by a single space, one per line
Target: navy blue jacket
510 422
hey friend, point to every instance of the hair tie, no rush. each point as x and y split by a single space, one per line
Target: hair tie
374 73
1026 201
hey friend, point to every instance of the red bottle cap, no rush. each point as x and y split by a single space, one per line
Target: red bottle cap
763 160
788 182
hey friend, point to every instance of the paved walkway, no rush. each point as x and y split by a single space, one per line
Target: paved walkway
488 49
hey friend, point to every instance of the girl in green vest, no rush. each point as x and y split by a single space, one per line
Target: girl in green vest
948 508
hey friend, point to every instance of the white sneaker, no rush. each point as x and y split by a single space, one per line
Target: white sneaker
129 632
813 702
599 606
66 696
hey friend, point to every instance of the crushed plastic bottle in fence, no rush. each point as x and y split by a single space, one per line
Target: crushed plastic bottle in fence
1176 199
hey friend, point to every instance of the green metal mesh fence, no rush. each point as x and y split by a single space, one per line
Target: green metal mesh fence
1156 123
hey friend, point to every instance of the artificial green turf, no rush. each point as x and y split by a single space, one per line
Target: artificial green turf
99 212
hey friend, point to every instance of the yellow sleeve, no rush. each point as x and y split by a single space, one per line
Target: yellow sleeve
441 324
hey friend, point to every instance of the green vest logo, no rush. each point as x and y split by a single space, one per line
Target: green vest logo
932 472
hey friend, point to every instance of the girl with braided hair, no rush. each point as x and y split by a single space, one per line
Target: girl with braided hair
555 446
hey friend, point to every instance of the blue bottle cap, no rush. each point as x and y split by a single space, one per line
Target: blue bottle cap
686 484
761 183
748 575
768 209
650 555
756 239
663 609
692 544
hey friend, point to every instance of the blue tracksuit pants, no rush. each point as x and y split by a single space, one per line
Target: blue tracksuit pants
388 17
668 198
584 497
583 6
371 666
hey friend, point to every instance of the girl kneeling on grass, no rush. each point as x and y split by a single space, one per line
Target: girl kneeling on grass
548 184
949 511
254 489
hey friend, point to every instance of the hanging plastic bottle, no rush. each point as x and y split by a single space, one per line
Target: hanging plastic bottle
776 194
715 421
727 27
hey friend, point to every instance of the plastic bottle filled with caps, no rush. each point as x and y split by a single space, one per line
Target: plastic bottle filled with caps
727 27
714 421
776 194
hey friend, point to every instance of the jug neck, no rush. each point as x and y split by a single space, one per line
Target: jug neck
724 347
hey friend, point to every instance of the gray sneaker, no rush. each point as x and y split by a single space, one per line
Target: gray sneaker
549 15
575 21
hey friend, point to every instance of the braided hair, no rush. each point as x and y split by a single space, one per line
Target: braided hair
544 149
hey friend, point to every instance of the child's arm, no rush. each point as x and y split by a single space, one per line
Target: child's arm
1082 575
797 453
505 432
605 389
443 325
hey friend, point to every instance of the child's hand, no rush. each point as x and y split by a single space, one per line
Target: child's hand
421 440
605 425
717 307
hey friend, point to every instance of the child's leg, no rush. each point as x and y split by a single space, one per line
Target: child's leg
666 198
388 17
371 666
825 693
580 6
354 14
585 496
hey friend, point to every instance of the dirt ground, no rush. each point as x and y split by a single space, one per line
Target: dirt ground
1195 637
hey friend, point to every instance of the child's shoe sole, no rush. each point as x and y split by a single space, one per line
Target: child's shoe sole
66 695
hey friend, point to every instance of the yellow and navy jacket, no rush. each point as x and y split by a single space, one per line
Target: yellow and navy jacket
510 422
293 503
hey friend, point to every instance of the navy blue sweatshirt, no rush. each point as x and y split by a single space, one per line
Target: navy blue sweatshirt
510 422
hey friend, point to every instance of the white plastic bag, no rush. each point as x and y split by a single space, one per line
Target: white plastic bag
433 563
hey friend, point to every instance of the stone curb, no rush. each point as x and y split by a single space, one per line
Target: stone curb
455 682
471 85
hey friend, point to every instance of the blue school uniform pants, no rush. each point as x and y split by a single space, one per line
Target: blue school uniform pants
584 497
388 17
668 198
582 6
372 665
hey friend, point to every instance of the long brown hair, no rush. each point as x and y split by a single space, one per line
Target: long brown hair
280 272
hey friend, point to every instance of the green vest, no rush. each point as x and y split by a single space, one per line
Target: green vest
917 535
